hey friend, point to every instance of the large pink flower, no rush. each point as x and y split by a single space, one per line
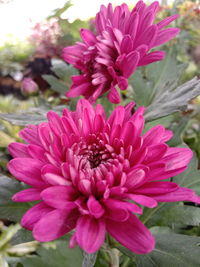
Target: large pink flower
90 173
122 42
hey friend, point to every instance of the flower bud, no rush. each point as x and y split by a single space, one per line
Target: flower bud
28 86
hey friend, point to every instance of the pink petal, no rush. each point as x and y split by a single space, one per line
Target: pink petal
167 21
90 233
88 37
60 197
156 188
132 234
53 176
113 96
149 202
181 194
31 194
115 210
95 208
37 152
30 134
165 35
34 214
18 150
54 225
28 171
152 57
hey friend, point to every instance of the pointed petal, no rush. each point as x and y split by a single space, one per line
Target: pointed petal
34 214
54 225
90 233
132 234
59 197
31 194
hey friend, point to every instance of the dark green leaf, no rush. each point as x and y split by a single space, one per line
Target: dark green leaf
172 250
63 70
10 210
22 236
174 213
56 85
54 257
191 177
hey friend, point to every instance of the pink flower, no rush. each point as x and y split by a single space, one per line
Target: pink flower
122 42
28 86
90 173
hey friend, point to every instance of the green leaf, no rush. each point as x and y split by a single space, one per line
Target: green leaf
32 116
56 85
22 236
63 70
190 178
151 80
172 250
169 214
58 256
22 119
170 101
10 210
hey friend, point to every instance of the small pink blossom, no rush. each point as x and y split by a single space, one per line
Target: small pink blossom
28 86
90 173
123 42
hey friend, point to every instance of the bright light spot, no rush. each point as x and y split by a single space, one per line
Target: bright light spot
18 16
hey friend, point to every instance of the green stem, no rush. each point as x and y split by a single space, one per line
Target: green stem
153 211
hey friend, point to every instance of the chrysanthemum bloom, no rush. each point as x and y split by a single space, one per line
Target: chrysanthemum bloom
122 42
89 173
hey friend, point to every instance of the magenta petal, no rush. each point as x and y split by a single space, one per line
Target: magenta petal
114 96
165 35
28 171
59 197
156 188
30 134
146 201
88 37
54 225
34 214
18 150
152 57
90 233
167 21
132 234
116 210
31 194
95 207
181 194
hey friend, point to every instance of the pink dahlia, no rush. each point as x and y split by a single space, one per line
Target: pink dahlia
122 42
90 173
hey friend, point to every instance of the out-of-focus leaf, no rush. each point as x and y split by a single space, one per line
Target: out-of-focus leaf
51 257
56 85
63 70
23 118
22 236
89 259
10 210
32 116
172 250
5 139
171 101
